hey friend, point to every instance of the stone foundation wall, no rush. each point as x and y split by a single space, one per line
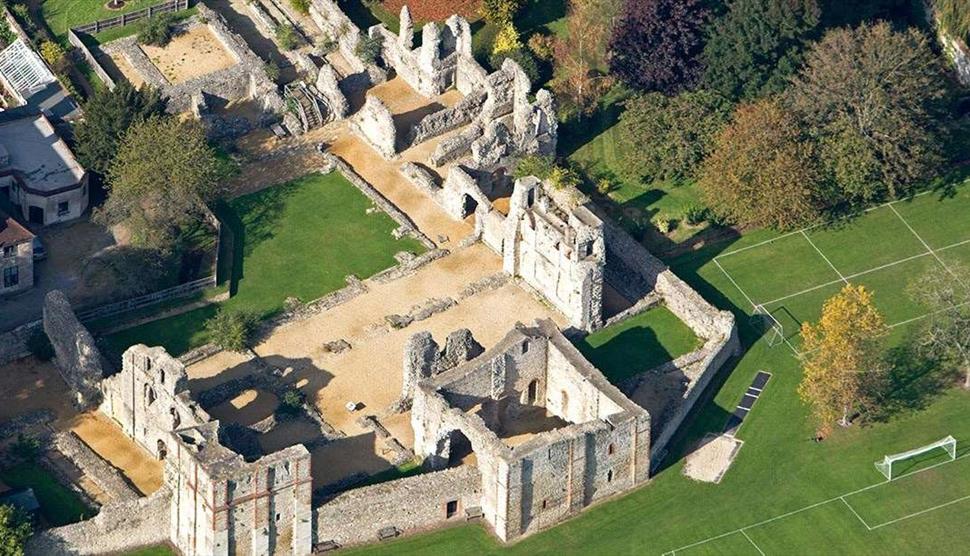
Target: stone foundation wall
76 355
118 528
13 344
410 504
106 476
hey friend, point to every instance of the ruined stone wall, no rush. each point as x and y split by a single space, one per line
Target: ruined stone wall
335 23
328 84
447 119
119 527
222 505
13 343
76 354
409 504
375 125
149 399
559 253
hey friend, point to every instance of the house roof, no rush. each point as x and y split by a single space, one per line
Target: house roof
38 156
11 232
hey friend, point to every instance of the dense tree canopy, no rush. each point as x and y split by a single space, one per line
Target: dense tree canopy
668 137
757 45
163 174
580 60
14 530
656 44
872 97
107 116
762 172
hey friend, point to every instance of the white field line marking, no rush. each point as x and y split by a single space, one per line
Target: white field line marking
855 513
812 227
815 505
864 272
921 512
812 243
754 544
928 248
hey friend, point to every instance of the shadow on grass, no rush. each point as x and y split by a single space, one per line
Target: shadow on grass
912 382
627 354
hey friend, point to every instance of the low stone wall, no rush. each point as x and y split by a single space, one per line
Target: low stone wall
119 527
13 344
90 58
76 355
94 467
406 224
443 121
409 504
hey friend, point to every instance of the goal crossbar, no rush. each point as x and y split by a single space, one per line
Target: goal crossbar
886 465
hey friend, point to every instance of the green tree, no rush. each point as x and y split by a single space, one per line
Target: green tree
14 530
762 171
757 45
160 180
874 100
158 30
231 329
668 137
500 12
107 115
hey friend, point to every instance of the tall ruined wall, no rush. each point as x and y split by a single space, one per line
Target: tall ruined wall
76 355
119 527
223 505
149 398
558 254
375 124
335 23
408 504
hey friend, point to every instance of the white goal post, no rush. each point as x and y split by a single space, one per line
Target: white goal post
886 465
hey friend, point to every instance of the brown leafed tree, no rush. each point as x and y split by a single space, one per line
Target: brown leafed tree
580 61
840 353
761 171
873 98
946 333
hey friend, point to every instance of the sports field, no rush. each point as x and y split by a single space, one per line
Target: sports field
785 493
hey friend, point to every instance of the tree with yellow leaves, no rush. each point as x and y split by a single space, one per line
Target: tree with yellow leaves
840 353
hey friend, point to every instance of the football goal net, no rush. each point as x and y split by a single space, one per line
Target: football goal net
770 326
886 465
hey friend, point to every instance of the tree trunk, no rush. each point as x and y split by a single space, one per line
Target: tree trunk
844 421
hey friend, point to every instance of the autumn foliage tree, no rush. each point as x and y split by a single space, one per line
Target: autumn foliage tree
945 334
840 354
656 44
873 98
580 59
761 171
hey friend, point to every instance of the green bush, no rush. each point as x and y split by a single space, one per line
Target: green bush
302 6
25 448
534 165
287 37
369 48
292 403
695 214
158 31
231 329
522 57
40 346
15 528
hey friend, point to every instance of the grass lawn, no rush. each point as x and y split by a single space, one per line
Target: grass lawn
300 239
116 33
58 504
638 344
784 489
61 15
153 551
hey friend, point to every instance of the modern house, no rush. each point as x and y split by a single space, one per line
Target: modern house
38 171
16 256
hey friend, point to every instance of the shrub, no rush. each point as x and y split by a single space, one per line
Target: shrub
604 186
534 165
326 45
369 48
302 6
287 37
158 31
664 225
507 40
40 346
272 70
500 11
521 57
53 54
541 46
231 330
564 178
292 403
25 448
15 528
7 35
695 214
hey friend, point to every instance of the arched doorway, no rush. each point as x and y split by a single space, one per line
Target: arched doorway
162 450
459 448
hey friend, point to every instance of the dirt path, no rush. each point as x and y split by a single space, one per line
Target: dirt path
104 437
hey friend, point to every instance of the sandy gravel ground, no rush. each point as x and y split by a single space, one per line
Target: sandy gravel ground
712 459
191 54
29 384
104 437
127 70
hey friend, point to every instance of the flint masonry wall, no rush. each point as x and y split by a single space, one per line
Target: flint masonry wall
119 527
408 504
76 355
